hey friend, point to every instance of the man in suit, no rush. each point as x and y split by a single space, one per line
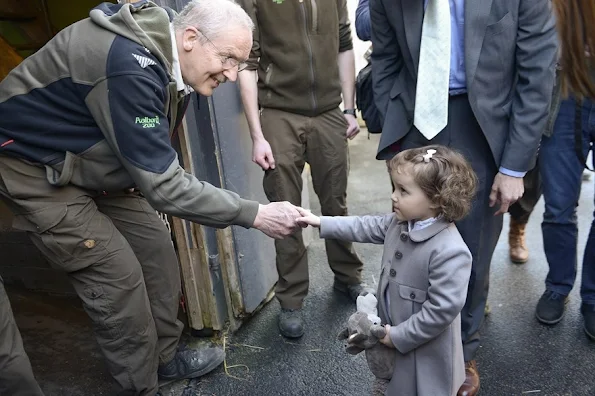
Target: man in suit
476 76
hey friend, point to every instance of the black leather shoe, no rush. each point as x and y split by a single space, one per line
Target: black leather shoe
588 311
352 291
191 363
291 323
550 308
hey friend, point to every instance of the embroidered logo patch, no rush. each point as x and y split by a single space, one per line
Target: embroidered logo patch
143 61
147 122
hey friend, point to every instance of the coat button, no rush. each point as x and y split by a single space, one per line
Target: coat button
399 255
393 273
412 296
403 237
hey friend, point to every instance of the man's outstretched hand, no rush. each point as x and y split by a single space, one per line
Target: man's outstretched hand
277 219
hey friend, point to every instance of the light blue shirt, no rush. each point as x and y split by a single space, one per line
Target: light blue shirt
457 81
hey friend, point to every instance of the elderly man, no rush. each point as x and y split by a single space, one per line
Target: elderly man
475 75
85 160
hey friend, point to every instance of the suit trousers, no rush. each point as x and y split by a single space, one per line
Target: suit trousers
320 141
480 229
119 257
16 375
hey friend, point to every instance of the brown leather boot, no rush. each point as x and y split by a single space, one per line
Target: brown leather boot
471 385
519 254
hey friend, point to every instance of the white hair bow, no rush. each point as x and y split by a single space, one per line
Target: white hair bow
429 155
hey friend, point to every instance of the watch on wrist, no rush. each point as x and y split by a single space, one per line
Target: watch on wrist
350 111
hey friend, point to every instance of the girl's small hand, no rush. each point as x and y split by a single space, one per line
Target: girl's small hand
307 218
386 340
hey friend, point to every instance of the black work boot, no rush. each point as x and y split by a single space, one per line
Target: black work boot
550 308
588 311
190 363
352 291
291 323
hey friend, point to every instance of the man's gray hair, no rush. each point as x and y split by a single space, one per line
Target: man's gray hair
213 17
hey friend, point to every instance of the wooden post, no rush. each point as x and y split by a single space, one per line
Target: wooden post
9 59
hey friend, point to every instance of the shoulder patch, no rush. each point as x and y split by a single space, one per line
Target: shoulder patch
143 61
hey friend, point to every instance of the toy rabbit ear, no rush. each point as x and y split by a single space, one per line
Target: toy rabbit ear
353 350
343 334
356 338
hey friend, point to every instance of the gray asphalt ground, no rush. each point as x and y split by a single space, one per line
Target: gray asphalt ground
518 356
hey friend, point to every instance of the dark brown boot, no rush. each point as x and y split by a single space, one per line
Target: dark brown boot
471 385
519 254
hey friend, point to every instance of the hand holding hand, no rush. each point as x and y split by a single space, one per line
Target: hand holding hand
352 126
506 190
307 218
277 219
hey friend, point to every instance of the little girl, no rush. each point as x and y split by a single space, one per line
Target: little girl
425 267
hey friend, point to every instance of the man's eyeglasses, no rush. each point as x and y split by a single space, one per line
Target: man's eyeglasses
229 62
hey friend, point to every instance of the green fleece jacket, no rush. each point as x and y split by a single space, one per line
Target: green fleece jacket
295 51
96 106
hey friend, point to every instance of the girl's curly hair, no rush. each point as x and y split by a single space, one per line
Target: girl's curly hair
447 178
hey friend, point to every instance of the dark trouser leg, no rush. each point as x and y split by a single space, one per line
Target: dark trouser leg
65 224
328 154
16 375
114 295
521 210
561 172
151 243
588 274
480 229
285 133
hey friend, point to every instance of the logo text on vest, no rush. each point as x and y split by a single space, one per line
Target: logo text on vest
147 122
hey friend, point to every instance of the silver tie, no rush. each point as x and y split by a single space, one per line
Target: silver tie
431 100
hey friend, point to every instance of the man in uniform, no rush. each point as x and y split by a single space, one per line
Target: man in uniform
303 57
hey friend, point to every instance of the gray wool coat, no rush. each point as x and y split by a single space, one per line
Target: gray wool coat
421 291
